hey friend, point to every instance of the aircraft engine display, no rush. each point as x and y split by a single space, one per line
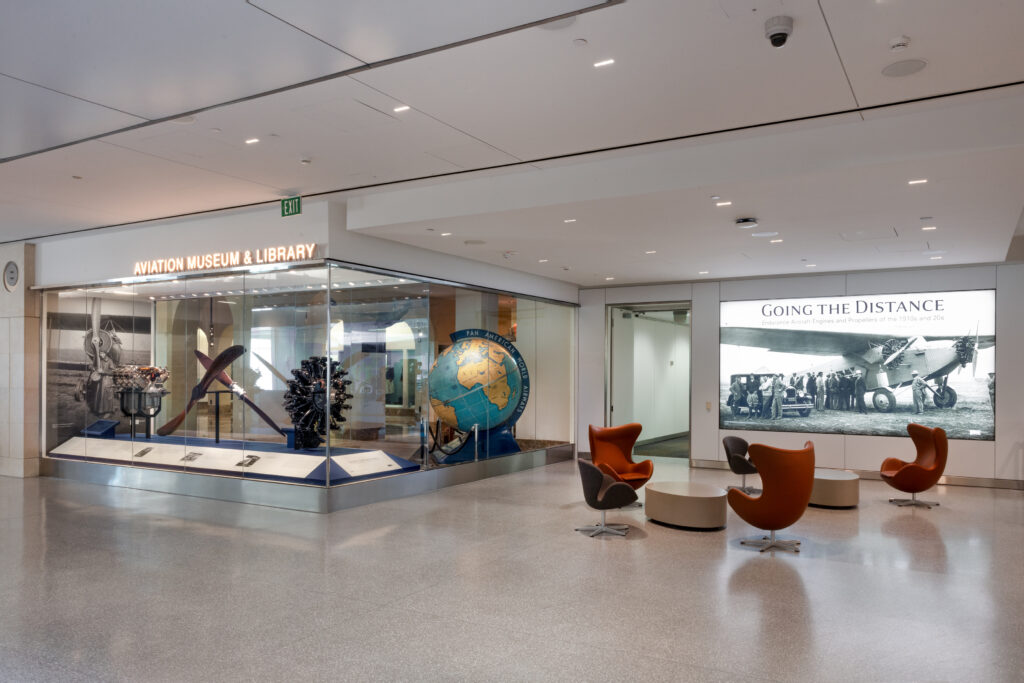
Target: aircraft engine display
861 364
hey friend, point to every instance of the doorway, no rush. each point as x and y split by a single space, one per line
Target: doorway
649 375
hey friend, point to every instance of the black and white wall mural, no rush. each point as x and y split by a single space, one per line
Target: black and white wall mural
860 364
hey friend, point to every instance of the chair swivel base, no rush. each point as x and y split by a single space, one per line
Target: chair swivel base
913 501
595 529
603 528
749 490
771 542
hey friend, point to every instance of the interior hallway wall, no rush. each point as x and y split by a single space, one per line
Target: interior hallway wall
20 352
999 459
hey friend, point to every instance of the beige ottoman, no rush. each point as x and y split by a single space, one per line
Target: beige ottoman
835 488
686 503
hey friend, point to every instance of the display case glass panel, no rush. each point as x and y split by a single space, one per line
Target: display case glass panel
321 375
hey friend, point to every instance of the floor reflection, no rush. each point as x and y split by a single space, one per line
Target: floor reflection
920 541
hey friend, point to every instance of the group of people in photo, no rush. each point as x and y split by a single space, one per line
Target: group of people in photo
841 390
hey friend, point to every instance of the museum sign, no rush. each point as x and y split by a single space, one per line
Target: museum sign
225 259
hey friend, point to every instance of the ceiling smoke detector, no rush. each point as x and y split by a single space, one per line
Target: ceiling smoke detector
898 44
746 223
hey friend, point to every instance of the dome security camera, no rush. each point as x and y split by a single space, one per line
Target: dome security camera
778 30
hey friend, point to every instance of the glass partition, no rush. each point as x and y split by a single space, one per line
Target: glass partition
318 375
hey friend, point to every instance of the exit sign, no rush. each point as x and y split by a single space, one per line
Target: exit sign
291 206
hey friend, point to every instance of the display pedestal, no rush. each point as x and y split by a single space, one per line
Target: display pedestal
274 462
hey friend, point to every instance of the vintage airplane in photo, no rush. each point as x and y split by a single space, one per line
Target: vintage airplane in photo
885 361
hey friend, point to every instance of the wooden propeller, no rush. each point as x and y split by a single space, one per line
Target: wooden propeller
223 360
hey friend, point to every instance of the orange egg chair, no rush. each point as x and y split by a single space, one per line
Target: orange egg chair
787 478
924 472
611 449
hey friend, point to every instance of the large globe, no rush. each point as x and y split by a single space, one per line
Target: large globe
474 382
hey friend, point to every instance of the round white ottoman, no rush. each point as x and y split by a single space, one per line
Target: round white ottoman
835 488
686 503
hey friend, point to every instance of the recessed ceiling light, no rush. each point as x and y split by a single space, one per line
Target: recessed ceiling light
715 196
404 107
702 272
775 241
652 251
935 258
252 141
569 220
746 223
543 260
604 62
811 265
446 234
919 181
609 278
763 234
351 284
928 227
723 203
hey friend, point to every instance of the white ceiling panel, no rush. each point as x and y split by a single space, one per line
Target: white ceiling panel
153 58
347 131
373 31
973 200
33 118
966 45
115 185
680 68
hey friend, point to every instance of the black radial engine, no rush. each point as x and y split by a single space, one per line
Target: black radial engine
311 395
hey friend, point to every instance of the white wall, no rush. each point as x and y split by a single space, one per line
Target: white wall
545 338
999 459
101 255
359 249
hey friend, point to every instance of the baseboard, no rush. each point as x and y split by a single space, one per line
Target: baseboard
980 482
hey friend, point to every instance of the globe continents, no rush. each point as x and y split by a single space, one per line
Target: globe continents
474 381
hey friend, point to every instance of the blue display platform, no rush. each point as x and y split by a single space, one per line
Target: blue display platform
274 462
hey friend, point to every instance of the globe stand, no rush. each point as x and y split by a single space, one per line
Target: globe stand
484 443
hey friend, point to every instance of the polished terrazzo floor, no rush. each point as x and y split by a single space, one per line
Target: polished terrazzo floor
488 582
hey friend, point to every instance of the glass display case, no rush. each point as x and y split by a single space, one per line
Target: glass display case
320 375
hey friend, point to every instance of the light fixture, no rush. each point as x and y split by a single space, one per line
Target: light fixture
935 258
399 110
446 234
928 227
811 265
746 223
652 251
702 272
252 141
609 278
715 196
604 62
763 234
569 220
543 260
918 181
775 241
723 203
